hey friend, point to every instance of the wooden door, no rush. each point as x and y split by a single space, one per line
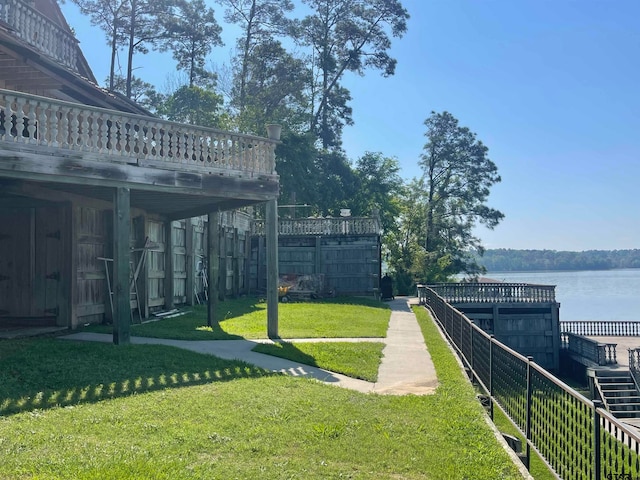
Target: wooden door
15 261
31 261
48 260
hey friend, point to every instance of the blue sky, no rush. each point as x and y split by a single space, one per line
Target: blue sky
550 86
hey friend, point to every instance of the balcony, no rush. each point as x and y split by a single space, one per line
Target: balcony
323 226
35 29
89 149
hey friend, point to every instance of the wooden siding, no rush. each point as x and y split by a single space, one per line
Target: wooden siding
179 252
350 263
155 264
529 328
32 273
92 240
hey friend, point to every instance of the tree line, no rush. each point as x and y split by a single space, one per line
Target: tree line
288 66
508 260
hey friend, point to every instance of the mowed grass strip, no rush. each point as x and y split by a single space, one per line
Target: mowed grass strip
354 359
150 411
246 317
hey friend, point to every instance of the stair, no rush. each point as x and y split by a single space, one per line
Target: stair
619 393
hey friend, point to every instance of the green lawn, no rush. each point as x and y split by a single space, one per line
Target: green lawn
246 317
354 359
74 410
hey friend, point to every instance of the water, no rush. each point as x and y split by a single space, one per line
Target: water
588 295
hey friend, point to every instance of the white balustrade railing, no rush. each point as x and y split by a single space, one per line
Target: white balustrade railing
323 226
40 32
113 136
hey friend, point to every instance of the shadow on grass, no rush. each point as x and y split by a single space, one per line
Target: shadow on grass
38 374
286 350
364 301
193 325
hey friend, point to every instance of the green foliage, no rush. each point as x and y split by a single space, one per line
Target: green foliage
379 185
338 182
441 209
196 106
273 90
191 32
346 36
142 92
405 252
505 260
296 166
354 359
457 179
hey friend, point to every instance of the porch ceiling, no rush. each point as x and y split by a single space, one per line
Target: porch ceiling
174 206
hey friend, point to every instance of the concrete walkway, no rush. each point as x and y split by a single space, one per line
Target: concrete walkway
406 366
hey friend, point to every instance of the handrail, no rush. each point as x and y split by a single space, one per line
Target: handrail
39 31
575 436
592 350
495 292
112 136
602 328
323 226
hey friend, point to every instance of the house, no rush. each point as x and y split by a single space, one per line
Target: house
87 178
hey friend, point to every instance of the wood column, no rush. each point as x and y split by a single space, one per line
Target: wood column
190 260
121 268
236 263
213 269
222 255
169 277
318 256
272 268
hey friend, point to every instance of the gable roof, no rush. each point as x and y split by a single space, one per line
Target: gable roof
42 57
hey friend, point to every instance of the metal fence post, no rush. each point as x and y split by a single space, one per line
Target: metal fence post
596 440
471 346
491 337
529 408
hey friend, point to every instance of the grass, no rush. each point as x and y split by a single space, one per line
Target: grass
98 411
538 468
354 359
246 317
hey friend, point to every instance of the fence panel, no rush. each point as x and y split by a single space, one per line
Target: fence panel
575 437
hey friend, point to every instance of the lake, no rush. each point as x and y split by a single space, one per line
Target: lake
588 295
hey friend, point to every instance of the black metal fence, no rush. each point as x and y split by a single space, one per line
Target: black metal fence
576 437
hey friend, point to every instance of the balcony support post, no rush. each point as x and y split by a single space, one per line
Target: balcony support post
213 269
121 267
272 268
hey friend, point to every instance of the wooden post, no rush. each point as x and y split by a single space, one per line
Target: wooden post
140 225
169 275
222 249
190 260
122 297
272 268
213 269
318 256
259 268
236 263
